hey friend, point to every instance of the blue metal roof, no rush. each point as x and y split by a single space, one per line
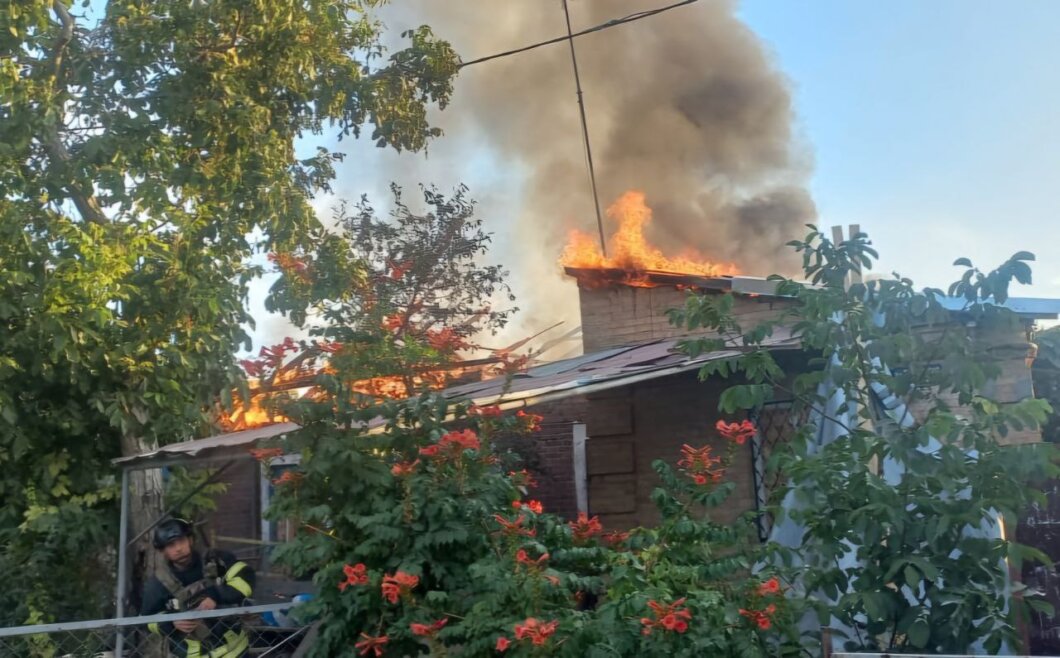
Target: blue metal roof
1038 308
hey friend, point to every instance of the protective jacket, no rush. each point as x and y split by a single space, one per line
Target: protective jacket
217 575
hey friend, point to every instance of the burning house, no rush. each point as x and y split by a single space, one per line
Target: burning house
629 399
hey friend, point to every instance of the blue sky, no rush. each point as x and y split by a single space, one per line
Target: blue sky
934 124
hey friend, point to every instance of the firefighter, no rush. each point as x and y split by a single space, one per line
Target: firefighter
189 581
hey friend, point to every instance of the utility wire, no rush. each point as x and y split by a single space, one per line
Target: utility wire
578 85
603 26
585 134
577 81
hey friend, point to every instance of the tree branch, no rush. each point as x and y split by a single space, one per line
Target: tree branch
66 34
85 202
729 336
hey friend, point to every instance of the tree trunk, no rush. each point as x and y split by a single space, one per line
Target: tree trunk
146 504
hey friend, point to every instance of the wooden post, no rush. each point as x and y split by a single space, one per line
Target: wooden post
856 276
837 237
123 557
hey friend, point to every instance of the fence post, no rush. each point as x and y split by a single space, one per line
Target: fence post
123 540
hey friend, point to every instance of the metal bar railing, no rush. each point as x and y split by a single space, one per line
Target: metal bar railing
96 624
842 654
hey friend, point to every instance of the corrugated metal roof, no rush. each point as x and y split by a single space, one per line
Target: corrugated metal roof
611 368
233 444
607 369
1037 308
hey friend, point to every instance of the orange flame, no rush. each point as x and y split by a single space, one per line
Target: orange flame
246 416
628 249
257 414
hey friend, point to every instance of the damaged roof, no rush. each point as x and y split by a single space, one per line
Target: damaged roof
231 445
610 368
599 371
612 276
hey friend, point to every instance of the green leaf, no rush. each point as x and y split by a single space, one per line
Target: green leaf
877 605
1041 606
1022 272
912 577
919 633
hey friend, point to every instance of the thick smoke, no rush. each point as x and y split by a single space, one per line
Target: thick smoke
686 106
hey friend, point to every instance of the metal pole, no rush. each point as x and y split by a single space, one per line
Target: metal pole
125 622
123 556
585 133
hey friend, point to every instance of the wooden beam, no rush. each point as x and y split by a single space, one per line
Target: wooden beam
856 276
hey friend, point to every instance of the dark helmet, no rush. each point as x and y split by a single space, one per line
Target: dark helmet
169 530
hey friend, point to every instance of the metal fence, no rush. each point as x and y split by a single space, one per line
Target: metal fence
777 424
262 630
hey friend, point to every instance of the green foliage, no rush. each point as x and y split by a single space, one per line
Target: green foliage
420 271
1047 378
421 489
192 492
147 149
893 513
443 520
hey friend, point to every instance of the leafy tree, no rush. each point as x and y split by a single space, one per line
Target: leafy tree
421 541
1047 378
412 520
192 492
404 294
893 511
146 150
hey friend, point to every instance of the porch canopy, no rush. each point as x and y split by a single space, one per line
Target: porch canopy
233 445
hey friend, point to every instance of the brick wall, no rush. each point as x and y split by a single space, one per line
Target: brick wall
632 427
628 429
238 512
549 455
1005 348
620 315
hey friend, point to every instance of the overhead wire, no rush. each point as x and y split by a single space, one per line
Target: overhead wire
585 134
578 85
602 26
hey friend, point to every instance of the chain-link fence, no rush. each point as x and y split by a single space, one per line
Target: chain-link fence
264 630
777 423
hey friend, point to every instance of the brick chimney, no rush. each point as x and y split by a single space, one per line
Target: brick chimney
621 308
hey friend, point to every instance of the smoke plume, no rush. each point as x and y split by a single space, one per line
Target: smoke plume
686 106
